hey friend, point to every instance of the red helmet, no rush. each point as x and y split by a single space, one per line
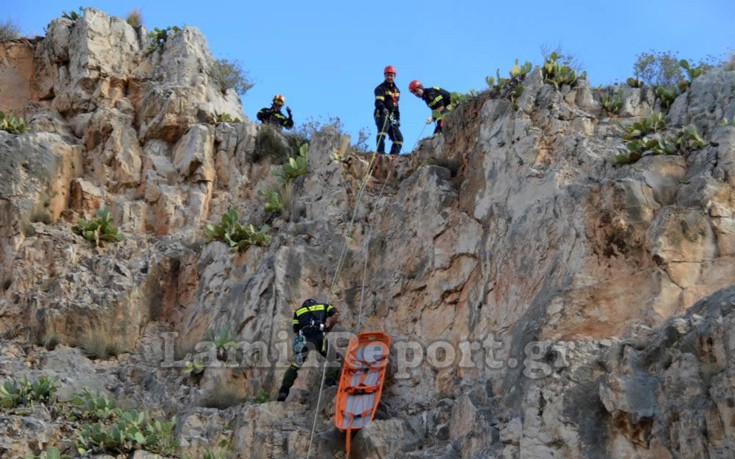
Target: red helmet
389 69
414 84
278 99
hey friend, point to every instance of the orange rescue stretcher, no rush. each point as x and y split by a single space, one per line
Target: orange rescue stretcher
361 382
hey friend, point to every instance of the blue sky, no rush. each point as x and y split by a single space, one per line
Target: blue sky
326 57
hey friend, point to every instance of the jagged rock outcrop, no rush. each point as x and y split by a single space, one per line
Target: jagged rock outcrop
543 302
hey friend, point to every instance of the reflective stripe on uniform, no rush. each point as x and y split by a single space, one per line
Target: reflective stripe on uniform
436 100
315 308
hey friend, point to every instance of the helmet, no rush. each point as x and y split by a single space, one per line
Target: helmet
309 302
414 84
389 69
279 99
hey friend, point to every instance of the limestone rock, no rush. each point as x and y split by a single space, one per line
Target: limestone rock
542 300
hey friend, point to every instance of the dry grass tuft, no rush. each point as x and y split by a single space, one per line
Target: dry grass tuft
99 343
222 396
9 30
135 18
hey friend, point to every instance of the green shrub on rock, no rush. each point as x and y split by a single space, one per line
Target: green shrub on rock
238 237
99 228
12 124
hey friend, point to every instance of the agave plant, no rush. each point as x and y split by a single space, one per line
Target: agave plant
73 15
222 342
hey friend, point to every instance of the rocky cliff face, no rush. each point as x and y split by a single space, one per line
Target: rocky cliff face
542 301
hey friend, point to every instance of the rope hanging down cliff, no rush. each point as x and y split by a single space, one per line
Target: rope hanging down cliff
337 271
340 264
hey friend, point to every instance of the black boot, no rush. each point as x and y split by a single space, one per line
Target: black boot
288 379
381 144
395 149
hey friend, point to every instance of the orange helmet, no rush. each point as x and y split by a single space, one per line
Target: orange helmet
389 69
279 99
412 86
